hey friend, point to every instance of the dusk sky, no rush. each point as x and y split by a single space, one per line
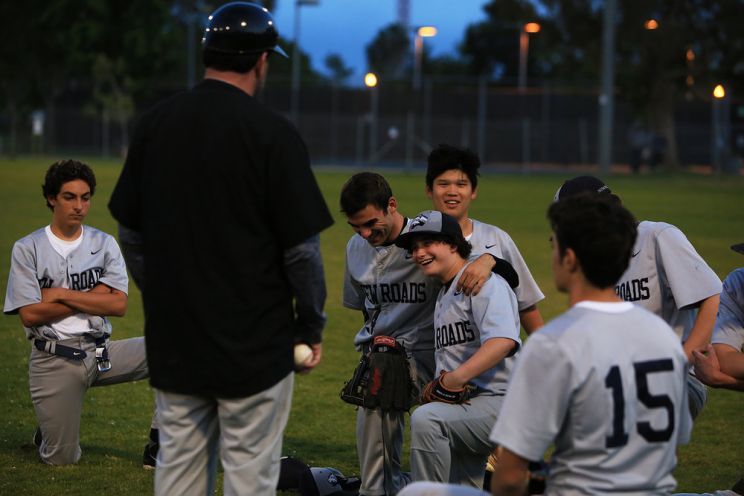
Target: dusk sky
347 26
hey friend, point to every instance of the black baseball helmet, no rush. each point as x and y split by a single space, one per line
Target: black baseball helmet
241 28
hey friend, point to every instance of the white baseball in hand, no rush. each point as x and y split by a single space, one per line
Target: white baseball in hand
302 353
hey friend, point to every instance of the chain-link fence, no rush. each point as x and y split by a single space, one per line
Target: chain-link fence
393 125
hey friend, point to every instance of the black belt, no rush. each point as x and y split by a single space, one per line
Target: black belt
54 348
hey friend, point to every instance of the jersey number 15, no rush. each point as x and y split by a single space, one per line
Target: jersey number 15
614 381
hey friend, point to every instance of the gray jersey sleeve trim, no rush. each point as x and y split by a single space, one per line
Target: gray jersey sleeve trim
23 287
690 279
304 268
115 271
536 403
729 328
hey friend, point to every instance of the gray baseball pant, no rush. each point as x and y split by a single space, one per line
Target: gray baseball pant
58 386
248 432
449 443
380 437
440 489
697 395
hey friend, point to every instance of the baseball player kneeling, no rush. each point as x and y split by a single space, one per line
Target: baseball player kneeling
65 280
475 338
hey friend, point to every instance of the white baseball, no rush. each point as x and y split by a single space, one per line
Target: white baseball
302 354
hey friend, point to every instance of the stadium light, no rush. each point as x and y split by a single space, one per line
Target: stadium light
719 92
370 80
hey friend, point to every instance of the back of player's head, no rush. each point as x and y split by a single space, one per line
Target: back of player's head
236 36
583 184
448 157
230 62
599 230
64 171
432 225
362 189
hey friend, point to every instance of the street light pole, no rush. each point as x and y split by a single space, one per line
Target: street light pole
370 80
295 97
524 47
606 95
418 51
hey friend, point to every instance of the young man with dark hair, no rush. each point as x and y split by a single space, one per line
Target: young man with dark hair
397 300
474 337
232 279
667 277
452 184
614 402
64 280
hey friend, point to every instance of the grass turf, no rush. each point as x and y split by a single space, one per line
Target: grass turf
115 419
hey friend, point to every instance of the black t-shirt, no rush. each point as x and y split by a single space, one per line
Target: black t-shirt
219 186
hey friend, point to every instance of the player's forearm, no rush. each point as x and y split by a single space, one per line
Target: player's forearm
44 313
703 329
731 360
510 476
304 268
488 356
531 319
106 303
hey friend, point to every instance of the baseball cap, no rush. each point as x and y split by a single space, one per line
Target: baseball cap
432 223
581 184
738 248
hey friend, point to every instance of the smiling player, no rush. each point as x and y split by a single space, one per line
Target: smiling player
474 336
451 184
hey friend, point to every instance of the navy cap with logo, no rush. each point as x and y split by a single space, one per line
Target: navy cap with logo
431 224
581 184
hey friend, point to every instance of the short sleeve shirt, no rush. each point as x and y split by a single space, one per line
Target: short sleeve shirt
606 383
667 276
729 328
491 239
35 264
219 186
462 324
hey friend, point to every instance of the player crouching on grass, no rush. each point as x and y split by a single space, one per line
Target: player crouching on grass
605 382
65 279
475 336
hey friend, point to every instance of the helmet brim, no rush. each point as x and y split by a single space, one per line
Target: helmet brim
280 51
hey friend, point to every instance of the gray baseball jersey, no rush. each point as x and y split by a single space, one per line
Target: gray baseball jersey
396 297
35 264
729 328
666 275
463 323
605 382
487 238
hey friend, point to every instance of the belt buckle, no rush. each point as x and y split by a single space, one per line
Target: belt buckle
102 358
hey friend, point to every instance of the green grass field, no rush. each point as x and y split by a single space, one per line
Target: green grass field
321 428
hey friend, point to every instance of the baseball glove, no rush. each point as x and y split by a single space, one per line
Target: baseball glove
382 379
436 391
